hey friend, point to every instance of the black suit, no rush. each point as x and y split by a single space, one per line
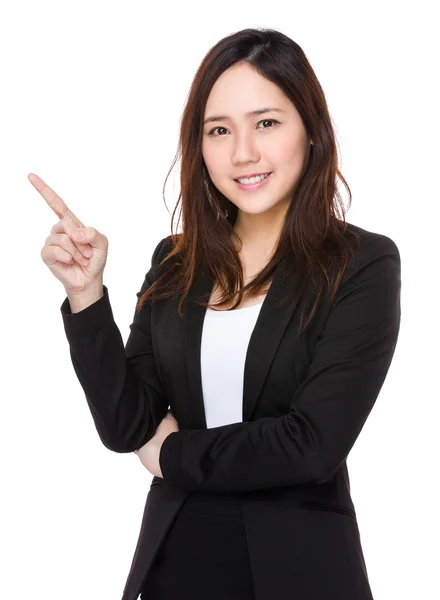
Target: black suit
305 401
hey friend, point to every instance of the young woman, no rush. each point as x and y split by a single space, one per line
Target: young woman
267 326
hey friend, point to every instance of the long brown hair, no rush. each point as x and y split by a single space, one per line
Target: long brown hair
314 232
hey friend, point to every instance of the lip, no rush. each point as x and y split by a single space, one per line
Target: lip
253 186
249 175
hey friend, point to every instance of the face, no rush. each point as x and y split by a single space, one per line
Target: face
236 144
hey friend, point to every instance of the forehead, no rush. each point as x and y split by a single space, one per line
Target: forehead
241 89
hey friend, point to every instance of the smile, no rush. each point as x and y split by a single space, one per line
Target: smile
253 186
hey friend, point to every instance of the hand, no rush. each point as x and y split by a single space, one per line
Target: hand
76 264
149 452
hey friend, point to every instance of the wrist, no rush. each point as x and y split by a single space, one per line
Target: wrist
80 300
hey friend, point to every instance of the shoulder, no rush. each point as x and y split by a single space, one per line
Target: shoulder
376 262
162 249
373 242
164 246
373 246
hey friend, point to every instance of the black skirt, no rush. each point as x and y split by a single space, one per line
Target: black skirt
204 553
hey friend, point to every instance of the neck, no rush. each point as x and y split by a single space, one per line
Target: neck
258 233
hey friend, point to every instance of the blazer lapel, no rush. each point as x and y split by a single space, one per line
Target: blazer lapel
272 321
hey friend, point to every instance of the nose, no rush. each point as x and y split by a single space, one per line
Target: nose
245 149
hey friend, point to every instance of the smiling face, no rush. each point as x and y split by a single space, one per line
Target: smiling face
237 143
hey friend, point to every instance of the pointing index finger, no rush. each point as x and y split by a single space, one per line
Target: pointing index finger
55 202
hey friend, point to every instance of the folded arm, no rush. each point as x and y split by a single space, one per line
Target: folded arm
327 411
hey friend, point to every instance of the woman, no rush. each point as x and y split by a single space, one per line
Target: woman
267 325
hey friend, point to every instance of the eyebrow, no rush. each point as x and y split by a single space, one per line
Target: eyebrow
252 113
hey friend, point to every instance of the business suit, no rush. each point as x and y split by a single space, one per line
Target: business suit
305 401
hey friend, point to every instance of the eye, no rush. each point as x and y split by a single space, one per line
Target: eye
211 133
266 120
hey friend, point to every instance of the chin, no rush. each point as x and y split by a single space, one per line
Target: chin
256 210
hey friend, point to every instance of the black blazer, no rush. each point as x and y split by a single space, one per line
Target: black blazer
305 401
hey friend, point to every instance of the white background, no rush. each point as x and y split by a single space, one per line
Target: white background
92 95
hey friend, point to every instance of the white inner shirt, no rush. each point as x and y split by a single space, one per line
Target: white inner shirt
225 340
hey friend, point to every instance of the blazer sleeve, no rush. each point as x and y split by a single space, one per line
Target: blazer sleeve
121 385
328 410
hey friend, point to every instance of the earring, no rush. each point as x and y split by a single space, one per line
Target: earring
208 193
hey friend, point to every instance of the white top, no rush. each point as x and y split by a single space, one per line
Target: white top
225 339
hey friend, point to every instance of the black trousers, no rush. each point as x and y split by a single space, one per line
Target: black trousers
204 554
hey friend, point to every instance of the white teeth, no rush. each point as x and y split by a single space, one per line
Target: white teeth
253 179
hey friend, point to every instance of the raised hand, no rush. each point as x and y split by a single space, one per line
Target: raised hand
75 254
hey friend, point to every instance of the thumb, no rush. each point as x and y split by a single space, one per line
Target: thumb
90 235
